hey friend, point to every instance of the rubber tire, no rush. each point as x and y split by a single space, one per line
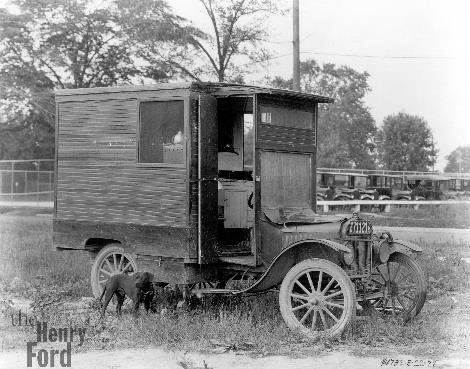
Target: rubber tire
104 252
421 277
346 286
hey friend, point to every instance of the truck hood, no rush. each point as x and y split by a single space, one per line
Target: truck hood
288 216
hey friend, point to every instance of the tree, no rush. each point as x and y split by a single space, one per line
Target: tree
238 28
51 44
405 142
346 128
237 32
55 44
73 44
458 160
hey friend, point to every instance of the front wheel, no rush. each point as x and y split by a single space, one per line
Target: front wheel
317 298
112 259
403 284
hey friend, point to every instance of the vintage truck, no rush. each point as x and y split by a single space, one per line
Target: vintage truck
204 183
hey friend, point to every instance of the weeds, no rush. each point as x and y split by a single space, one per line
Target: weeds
441 216
434 216
253 324
26 253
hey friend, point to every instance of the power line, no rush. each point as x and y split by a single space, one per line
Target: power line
278 42
379 56
410 57
265 60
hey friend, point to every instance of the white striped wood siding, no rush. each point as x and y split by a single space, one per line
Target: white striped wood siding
98 177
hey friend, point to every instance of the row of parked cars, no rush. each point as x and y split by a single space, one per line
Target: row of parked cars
343 185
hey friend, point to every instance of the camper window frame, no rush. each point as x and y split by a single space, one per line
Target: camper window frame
185 128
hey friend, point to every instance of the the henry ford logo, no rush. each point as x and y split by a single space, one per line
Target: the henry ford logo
53 357
57 356
61 338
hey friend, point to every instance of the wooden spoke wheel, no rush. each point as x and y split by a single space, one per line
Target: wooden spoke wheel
112 259
403 284
202 285
317 298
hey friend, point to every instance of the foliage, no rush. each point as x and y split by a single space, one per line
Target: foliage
443 216
25 245
72 44
161 40
346 128
238 28
50 44
405 142
237 32
458 160
54 44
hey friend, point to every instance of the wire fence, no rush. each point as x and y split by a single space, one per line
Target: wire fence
33 180
27 180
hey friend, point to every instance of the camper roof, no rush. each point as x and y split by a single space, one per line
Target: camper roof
217 89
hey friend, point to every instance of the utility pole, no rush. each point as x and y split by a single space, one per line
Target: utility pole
296 51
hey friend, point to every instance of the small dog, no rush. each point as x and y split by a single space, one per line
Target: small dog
138 287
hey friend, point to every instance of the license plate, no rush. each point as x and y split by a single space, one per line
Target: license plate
359 228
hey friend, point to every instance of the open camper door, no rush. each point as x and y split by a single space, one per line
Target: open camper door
284 162
207 177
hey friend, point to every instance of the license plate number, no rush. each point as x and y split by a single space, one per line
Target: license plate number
359 228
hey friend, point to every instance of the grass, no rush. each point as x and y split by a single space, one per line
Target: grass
26 253
440 216
31 268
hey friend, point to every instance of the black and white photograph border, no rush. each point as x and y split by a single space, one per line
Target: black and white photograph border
234 183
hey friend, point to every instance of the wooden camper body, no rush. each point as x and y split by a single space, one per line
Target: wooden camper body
166 213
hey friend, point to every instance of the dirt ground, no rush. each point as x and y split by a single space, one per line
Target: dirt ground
157 358
456 354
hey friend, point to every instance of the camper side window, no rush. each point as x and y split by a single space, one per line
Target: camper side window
161 132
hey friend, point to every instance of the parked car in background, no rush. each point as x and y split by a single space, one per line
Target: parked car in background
436 186
345 186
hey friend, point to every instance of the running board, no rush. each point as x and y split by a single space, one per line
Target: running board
248 260
218 291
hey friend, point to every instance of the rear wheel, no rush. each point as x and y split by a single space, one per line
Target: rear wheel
403 284
317 298
112 259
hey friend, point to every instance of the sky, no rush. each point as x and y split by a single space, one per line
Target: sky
434 36
416 51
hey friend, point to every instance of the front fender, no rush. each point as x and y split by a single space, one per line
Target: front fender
404 247
293 254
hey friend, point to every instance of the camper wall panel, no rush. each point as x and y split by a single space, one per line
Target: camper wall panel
160 241
98 177
193 174
286 180
272 137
